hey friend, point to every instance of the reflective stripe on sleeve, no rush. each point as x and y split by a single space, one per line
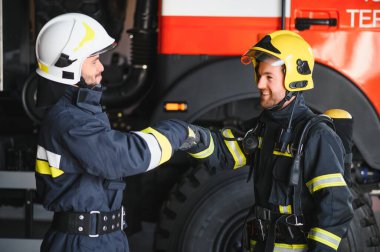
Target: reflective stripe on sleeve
154 148
47 162
166 147
205 153
53 159
285 209
234 149
43 167
325 237
283 247
329 180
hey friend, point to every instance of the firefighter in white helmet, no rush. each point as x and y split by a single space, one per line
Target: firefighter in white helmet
80 160
302 202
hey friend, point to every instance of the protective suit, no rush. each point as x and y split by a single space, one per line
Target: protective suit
80 160
315 215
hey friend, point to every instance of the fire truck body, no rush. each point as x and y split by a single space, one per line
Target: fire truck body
185 64
344 37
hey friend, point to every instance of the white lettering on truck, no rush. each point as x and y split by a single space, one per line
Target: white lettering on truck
365 18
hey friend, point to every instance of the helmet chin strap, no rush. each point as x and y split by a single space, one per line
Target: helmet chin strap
278 106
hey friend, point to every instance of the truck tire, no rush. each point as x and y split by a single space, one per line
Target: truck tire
205 212
363 233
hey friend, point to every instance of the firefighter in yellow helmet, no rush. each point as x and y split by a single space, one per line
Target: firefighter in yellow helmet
302 202
287 52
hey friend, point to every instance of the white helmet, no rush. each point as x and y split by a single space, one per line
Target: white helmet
65 42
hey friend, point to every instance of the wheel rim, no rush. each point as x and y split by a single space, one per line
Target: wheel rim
230 236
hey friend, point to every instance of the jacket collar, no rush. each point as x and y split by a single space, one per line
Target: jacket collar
282 116
85 98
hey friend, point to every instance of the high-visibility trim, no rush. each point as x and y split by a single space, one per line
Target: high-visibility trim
43 167
190 133
205 153
43 67
154 148
329 180
283 247
252 244
286 153
90 35
53 159
260 139
285 209
325 237
48 162
234 149
163 141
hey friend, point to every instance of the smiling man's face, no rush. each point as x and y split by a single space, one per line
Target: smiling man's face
270 82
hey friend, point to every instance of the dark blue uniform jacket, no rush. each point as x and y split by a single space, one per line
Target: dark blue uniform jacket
325 198
81 162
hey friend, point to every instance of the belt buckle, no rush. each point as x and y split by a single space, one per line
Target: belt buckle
91 213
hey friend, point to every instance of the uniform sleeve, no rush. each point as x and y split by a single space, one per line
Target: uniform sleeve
112 154
215 151
324 180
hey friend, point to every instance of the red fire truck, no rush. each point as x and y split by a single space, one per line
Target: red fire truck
185 64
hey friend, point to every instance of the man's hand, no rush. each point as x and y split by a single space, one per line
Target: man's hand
197 135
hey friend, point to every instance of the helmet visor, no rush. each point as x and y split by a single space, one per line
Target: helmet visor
259 56
107 48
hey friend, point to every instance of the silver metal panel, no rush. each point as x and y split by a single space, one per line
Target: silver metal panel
20 245
17 180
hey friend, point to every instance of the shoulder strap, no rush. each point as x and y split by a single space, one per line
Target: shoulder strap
295 179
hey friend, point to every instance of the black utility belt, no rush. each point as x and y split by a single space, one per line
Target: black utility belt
265 214
264 220
92 223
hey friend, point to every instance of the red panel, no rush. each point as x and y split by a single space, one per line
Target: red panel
351 48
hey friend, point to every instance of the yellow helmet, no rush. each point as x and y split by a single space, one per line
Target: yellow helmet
289 49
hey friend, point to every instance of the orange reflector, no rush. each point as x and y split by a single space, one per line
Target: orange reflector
245 59
175 106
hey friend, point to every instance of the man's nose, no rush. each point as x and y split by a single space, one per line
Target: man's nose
261 83
101 67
